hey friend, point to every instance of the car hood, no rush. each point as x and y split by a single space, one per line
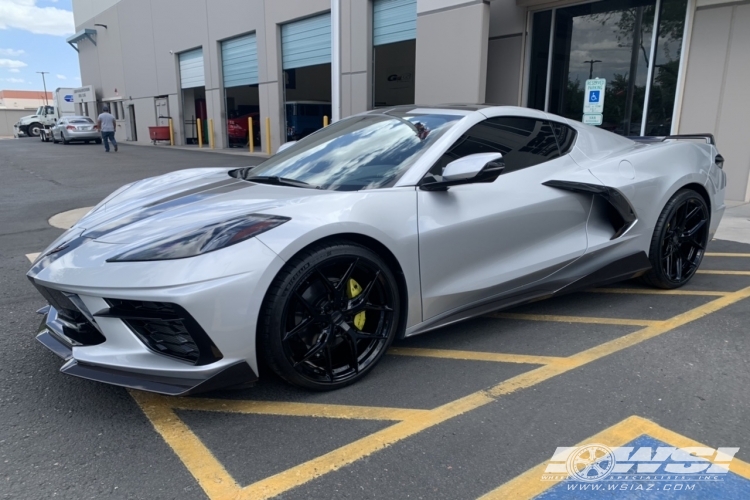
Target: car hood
172 203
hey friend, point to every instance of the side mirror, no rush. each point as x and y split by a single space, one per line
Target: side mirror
480 167
286 145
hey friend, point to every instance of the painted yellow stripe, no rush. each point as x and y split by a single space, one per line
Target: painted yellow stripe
575 319
725 254
295 409
730 273
210 474
652 291
336 459
476 356
529 484
32 256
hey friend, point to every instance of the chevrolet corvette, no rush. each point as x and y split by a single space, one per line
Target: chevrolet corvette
383 225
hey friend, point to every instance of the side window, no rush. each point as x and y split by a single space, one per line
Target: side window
523 142
566 137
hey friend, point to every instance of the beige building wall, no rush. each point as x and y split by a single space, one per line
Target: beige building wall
452 39
505 52
716 84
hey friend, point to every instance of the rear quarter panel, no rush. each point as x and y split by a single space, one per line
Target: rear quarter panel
650 174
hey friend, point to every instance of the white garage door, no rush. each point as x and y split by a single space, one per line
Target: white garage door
393 21
239 60
191 69
306 42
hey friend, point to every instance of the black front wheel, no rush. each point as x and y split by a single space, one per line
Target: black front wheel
679 240
329 316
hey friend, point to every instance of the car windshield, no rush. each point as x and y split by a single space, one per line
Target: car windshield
362 152
81 120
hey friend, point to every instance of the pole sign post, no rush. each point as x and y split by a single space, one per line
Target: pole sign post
593 101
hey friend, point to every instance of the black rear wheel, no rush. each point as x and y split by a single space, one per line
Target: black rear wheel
679 240
329 316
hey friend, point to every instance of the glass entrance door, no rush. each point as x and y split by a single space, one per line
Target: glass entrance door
610 40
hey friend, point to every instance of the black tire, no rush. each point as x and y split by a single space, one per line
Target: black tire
679 240
33 130
98 141
64 140
319 328
53 138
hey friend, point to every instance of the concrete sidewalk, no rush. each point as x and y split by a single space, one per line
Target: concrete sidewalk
204 149
735 225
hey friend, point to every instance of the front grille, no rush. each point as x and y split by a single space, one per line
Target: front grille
167 329
75 323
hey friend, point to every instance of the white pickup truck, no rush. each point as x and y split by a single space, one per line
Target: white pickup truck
46 116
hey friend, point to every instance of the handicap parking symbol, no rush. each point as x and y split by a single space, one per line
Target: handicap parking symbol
594 96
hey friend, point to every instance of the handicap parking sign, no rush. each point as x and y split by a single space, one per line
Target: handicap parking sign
593 97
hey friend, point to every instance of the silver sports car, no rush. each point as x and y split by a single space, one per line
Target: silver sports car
383 225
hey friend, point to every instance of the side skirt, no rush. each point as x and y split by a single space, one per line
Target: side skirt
587 272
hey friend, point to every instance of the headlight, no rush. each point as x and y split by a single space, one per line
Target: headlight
203 240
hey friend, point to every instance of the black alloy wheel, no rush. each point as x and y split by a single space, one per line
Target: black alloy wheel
329 316
679 240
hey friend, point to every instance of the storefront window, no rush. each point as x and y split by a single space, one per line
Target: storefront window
666 67
609 40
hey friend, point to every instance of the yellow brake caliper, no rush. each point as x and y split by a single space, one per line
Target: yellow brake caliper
352 290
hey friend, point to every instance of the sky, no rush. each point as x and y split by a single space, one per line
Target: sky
32 38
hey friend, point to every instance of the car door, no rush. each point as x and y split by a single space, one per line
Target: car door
483 240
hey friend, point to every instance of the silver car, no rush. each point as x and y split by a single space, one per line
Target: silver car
75 129
383 225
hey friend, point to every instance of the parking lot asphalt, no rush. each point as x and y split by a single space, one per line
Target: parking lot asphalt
469 410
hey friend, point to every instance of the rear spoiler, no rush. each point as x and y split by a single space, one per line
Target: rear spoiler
709 138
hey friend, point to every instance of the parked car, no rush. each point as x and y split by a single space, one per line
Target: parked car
305 117
75 129
383 225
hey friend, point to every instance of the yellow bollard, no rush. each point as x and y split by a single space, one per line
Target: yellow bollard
325 120
171 133
268 135
200 132
211 132
252 134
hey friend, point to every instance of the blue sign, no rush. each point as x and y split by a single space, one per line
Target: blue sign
69 98
594 96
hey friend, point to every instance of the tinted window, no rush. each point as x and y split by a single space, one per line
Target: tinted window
566 137
81 120
523 142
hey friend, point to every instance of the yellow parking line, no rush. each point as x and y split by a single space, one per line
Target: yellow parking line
730 273
210 474
575 319
529 484
725 254
476 355
651 291
295 409
336 459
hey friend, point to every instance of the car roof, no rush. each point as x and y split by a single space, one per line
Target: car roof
77 118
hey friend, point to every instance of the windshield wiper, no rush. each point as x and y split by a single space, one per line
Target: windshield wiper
279 181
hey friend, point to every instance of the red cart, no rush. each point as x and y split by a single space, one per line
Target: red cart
160 133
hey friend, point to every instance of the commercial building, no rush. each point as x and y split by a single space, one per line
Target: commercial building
24 99
668 66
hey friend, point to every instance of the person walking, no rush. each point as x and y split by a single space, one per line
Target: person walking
106 124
